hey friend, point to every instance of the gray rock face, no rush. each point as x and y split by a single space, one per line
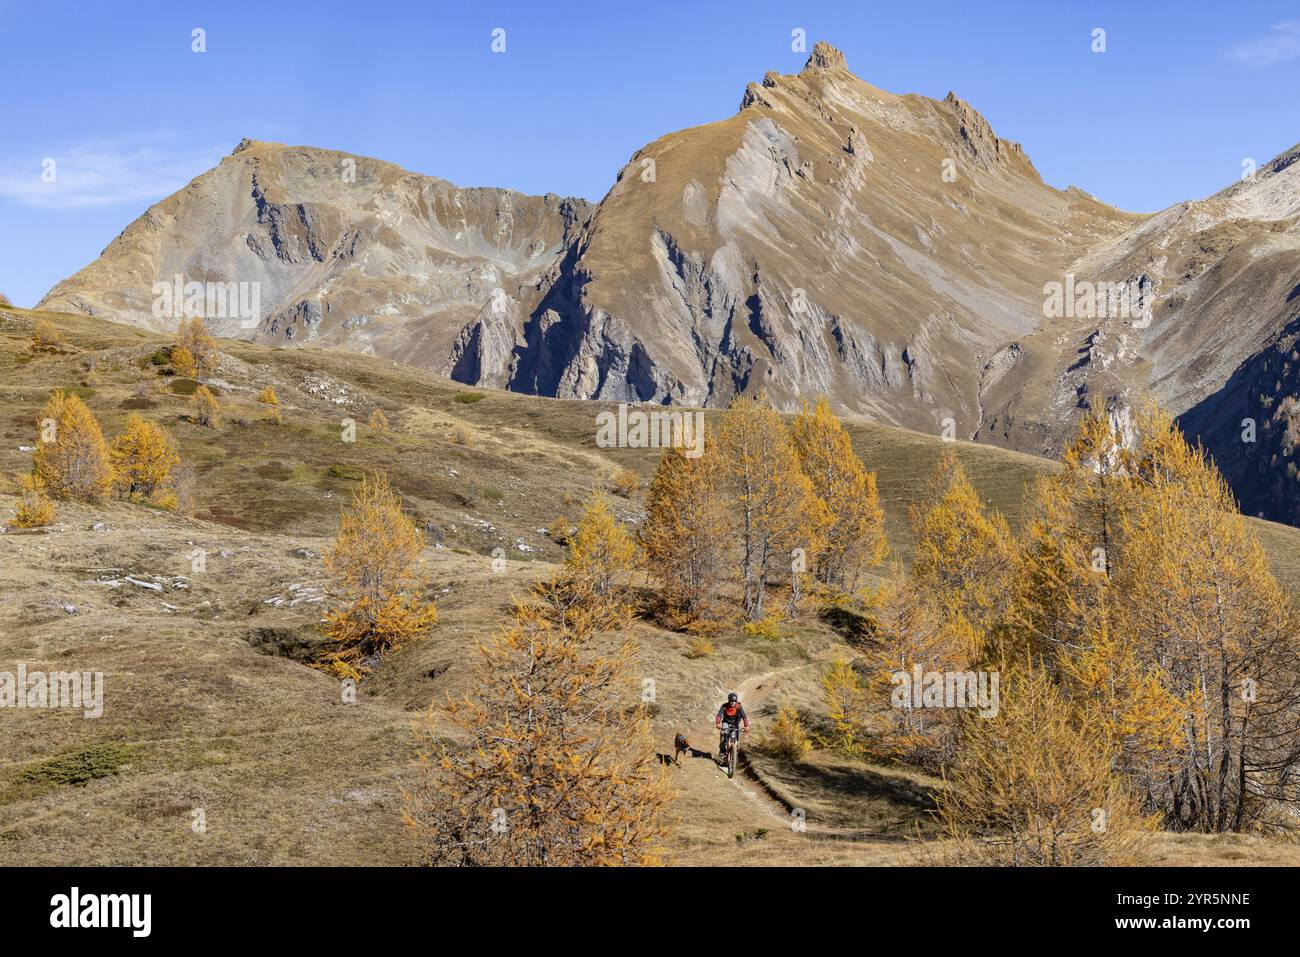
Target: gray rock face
342 250
812 243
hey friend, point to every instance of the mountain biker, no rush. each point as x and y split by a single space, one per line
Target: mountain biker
729 715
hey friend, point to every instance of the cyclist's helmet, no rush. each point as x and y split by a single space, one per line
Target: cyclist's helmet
733 697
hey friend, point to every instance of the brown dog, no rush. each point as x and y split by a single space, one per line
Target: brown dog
680 746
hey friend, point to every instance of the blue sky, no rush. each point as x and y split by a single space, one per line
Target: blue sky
113 92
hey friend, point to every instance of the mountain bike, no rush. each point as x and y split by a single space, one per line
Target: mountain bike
732 753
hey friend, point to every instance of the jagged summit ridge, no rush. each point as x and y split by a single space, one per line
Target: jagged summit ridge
889 251
824 57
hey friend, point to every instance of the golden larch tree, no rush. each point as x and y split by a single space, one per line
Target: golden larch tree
776 509
600 550
1034 786
35 509
71 458
46 336
207 410
1071 542
845 697
193 336
143 457
372 567
963 555
913 630
268 398
551 761
787 738
1199 600
854 542
184 363
1062 611
624 482
687 529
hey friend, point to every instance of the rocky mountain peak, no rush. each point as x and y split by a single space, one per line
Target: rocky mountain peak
891 252
979 138
824 57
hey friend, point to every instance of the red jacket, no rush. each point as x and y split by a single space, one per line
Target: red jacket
731 713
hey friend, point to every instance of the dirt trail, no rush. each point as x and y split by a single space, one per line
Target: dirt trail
754 693
704 737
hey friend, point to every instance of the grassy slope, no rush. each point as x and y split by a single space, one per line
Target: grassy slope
206 706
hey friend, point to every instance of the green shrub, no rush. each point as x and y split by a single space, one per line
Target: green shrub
96 761
183 386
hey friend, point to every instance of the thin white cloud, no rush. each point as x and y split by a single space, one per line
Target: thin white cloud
125 170
1280 45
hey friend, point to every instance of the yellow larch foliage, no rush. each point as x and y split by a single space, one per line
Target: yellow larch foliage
787 738
46 336
913 630
184 363
1063 608
844 694
686 533
1071 544
143 457
268 398
624 482
71 458
1199 600
193 335
1034 786
1126 701
35 510
600 550
775 508
855 539
963 559
553 763
206 408
372 567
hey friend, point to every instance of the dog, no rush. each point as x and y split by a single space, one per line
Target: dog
680 746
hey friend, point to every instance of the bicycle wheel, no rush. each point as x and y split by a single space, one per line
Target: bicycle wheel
731 758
